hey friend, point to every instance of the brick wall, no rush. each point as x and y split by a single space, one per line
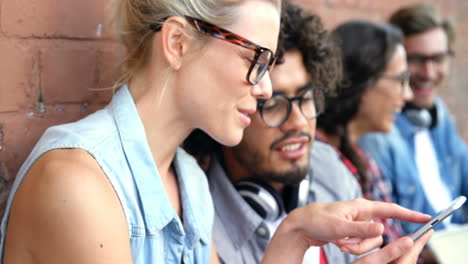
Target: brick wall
55 53
455 94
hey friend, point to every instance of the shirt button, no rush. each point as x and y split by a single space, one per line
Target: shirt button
261 231
411 189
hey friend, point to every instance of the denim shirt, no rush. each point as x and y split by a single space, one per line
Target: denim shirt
116 138
395 155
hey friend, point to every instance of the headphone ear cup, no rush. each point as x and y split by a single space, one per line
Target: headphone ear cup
419 117
263 199
290 197
296 195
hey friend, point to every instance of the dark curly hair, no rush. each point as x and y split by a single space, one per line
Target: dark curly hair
305 32
321 57
367 49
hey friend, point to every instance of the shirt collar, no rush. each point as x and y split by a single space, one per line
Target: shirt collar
231 209
408 130
156 207
191 180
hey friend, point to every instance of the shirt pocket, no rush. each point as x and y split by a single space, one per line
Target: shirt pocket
146 248
407 194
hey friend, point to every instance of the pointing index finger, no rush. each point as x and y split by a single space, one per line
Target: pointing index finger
375 209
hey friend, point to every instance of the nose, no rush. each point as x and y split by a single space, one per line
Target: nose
429 70
407 93
296 120
263 89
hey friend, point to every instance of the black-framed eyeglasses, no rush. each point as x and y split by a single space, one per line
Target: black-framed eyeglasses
403 79
276 110
437 58
263 61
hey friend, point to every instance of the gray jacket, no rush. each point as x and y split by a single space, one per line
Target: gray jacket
240 234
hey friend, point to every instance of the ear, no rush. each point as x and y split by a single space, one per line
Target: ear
175 40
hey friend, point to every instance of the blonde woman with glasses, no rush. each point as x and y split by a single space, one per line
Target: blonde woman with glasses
116 188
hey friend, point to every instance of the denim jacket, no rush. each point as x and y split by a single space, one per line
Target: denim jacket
395 155
116 138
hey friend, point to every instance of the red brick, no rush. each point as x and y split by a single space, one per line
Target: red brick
462 29
1 137
345 3
20 134
3 174
17 74
109 60
332 17
21 131
310 2
65 68
68 73
1 4
54 18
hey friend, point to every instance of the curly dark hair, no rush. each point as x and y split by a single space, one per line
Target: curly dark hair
320 53
367 49
321 57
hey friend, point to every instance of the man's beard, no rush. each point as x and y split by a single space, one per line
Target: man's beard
293 175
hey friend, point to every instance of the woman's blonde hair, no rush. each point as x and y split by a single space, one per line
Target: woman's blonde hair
134 17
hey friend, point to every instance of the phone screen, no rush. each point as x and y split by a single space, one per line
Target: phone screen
457 203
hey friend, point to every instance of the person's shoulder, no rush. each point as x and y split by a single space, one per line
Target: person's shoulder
320 148
445 118
64 173
325 157
441 105
66 196
67 180
88 131
379 137
331 179
380 141
57 161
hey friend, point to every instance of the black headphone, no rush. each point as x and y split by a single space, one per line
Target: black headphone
267 202
420 117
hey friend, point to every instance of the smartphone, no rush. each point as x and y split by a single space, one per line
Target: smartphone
457 203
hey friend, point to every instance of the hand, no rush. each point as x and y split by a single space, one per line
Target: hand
402 249
336 222
320 223
428 256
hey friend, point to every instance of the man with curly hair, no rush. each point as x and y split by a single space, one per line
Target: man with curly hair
255 184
